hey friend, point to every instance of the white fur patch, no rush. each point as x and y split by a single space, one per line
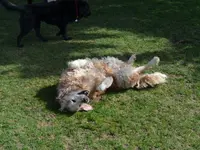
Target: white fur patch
122 77
154 61
107 82
161 77
131 59
80 63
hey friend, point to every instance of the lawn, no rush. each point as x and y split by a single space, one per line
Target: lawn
165 117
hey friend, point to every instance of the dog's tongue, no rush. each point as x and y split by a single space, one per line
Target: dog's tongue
86 107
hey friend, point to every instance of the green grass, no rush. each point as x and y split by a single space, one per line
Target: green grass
165 117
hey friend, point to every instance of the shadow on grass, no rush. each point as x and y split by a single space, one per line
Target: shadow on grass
48 95
174 20
170 19
178 21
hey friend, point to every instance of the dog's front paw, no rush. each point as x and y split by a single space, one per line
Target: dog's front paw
67 38
20 45
44 40
58 34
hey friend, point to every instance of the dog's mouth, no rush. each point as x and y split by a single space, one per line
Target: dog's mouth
85 107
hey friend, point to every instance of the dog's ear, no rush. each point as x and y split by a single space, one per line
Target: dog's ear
107 82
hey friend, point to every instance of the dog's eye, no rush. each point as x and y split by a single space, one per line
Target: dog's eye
73 100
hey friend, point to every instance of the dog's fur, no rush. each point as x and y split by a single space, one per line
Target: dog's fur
59 13
86 79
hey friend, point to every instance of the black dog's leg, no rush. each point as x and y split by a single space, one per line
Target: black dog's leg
37 31
26 25
63 32
58 34
38 34
19 38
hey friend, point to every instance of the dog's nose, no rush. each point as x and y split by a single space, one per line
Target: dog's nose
86 100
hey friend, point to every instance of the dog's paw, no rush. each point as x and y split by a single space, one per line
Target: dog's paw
164 76
20 45
44 40
154 61
58 34
67 38
160 77
131 59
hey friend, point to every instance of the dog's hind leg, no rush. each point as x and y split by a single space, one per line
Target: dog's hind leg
37 31
150 64
150 80
26 25
19 39
63 32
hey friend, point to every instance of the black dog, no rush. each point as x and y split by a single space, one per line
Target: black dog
59 13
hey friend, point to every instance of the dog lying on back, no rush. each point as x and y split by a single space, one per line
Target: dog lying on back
86 79
58 13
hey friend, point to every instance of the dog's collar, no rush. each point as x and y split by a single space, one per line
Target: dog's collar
76 8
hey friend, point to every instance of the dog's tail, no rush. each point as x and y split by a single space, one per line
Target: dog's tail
150 80
10 6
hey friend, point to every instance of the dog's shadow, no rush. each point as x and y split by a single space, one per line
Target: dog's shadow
48 94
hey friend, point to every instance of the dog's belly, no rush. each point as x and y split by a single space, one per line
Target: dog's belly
55 20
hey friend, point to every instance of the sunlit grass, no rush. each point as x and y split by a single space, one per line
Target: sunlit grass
165 117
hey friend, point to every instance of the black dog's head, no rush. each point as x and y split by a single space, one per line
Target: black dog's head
84 8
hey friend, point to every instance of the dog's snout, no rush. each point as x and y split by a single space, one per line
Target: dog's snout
86 92
86 100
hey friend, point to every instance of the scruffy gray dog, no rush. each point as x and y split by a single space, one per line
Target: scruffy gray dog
87 79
